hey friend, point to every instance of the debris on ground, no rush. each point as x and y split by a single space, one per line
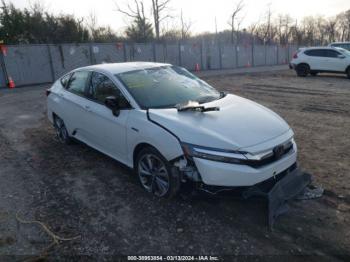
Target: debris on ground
310 192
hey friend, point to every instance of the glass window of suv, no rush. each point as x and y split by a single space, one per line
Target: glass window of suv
100 87
316 52
332 53
343 45
77 83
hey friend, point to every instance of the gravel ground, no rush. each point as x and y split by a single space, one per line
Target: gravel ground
77 191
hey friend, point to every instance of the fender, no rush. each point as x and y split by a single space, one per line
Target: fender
143 130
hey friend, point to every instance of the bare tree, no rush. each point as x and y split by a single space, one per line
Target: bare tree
37 7
136 12
330 28
91 24
185 27
268 33
235 21
344 25
141 29
158 9
283 28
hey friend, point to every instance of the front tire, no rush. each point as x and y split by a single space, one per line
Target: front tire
61 131
155 173
302 70
348 73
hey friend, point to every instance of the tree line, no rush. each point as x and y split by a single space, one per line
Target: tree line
36 25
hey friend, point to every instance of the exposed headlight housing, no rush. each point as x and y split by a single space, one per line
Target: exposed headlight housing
238 157
214 154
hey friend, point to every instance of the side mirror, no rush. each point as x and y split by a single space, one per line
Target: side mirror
341 56
112 103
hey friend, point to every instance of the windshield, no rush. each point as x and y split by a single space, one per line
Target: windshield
166 86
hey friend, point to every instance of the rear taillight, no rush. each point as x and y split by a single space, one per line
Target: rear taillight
295 56
48 92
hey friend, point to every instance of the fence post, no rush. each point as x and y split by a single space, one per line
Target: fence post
165 52
132 52
220 54
90 53
154 52
265 53
124 51
277 54
4 69
180 60
236 52
253 60
201 52
51 63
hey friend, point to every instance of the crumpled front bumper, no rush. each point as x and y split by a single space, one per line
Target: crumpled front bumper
277 195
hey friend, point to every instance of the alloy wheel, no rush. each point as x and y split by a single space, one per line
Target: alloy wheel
153 175
61 131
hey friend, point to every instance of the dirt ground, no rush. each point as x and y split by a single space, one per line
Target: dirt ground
77 191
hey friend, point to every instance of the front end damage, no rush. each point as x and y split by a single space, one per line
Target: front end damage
277 190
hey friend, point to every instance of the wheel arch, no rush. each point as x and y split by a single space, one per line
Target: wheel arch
138 149
304 63
347 69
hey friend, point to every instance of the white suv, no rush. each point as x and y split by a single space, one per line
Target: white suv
345 45
321 59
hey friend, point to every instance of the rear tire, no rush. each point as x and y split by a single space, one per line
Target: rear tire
61 131
156 174
302 70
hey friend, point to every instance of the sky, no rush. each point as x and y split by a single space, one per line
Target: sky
201 13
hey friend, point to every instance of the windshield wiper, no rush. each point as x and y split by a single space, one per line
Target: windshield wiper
199 108
194 106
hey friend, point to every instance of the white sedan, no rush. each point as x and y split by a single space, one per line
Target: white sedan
171 127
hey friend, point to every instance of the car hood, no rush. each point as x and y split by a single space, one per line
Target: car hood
240 123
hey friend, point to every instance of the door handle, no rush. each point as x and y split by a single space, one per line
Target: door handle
87 108
61 94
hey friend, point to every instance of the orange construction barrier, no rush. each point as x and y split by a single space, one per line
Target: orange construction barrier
11 83
196 68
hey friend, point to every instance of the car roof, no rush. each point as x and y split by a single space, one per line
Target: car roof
339 43
117 68
318 47
303 49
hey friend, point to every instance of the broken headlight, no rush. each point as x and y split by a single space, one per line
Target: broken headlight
214 154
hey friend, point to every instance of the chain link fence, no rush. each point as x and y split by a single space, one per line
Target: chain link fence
39 64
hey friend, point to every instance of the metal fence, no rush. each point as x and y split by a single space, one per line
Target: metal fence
37 64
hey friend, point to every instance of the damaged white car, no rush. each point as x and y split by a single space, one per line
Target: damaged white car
172 127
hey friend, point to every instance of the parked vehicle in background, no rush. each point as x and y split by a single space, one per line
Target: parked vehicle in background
172 127
316 60
345 45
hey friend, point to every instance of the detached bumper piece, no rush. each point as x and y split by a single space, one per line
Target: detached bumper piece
285 189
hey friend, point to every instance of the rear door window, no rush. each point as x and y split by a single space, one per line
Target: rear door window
316 52
332 53
77 83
